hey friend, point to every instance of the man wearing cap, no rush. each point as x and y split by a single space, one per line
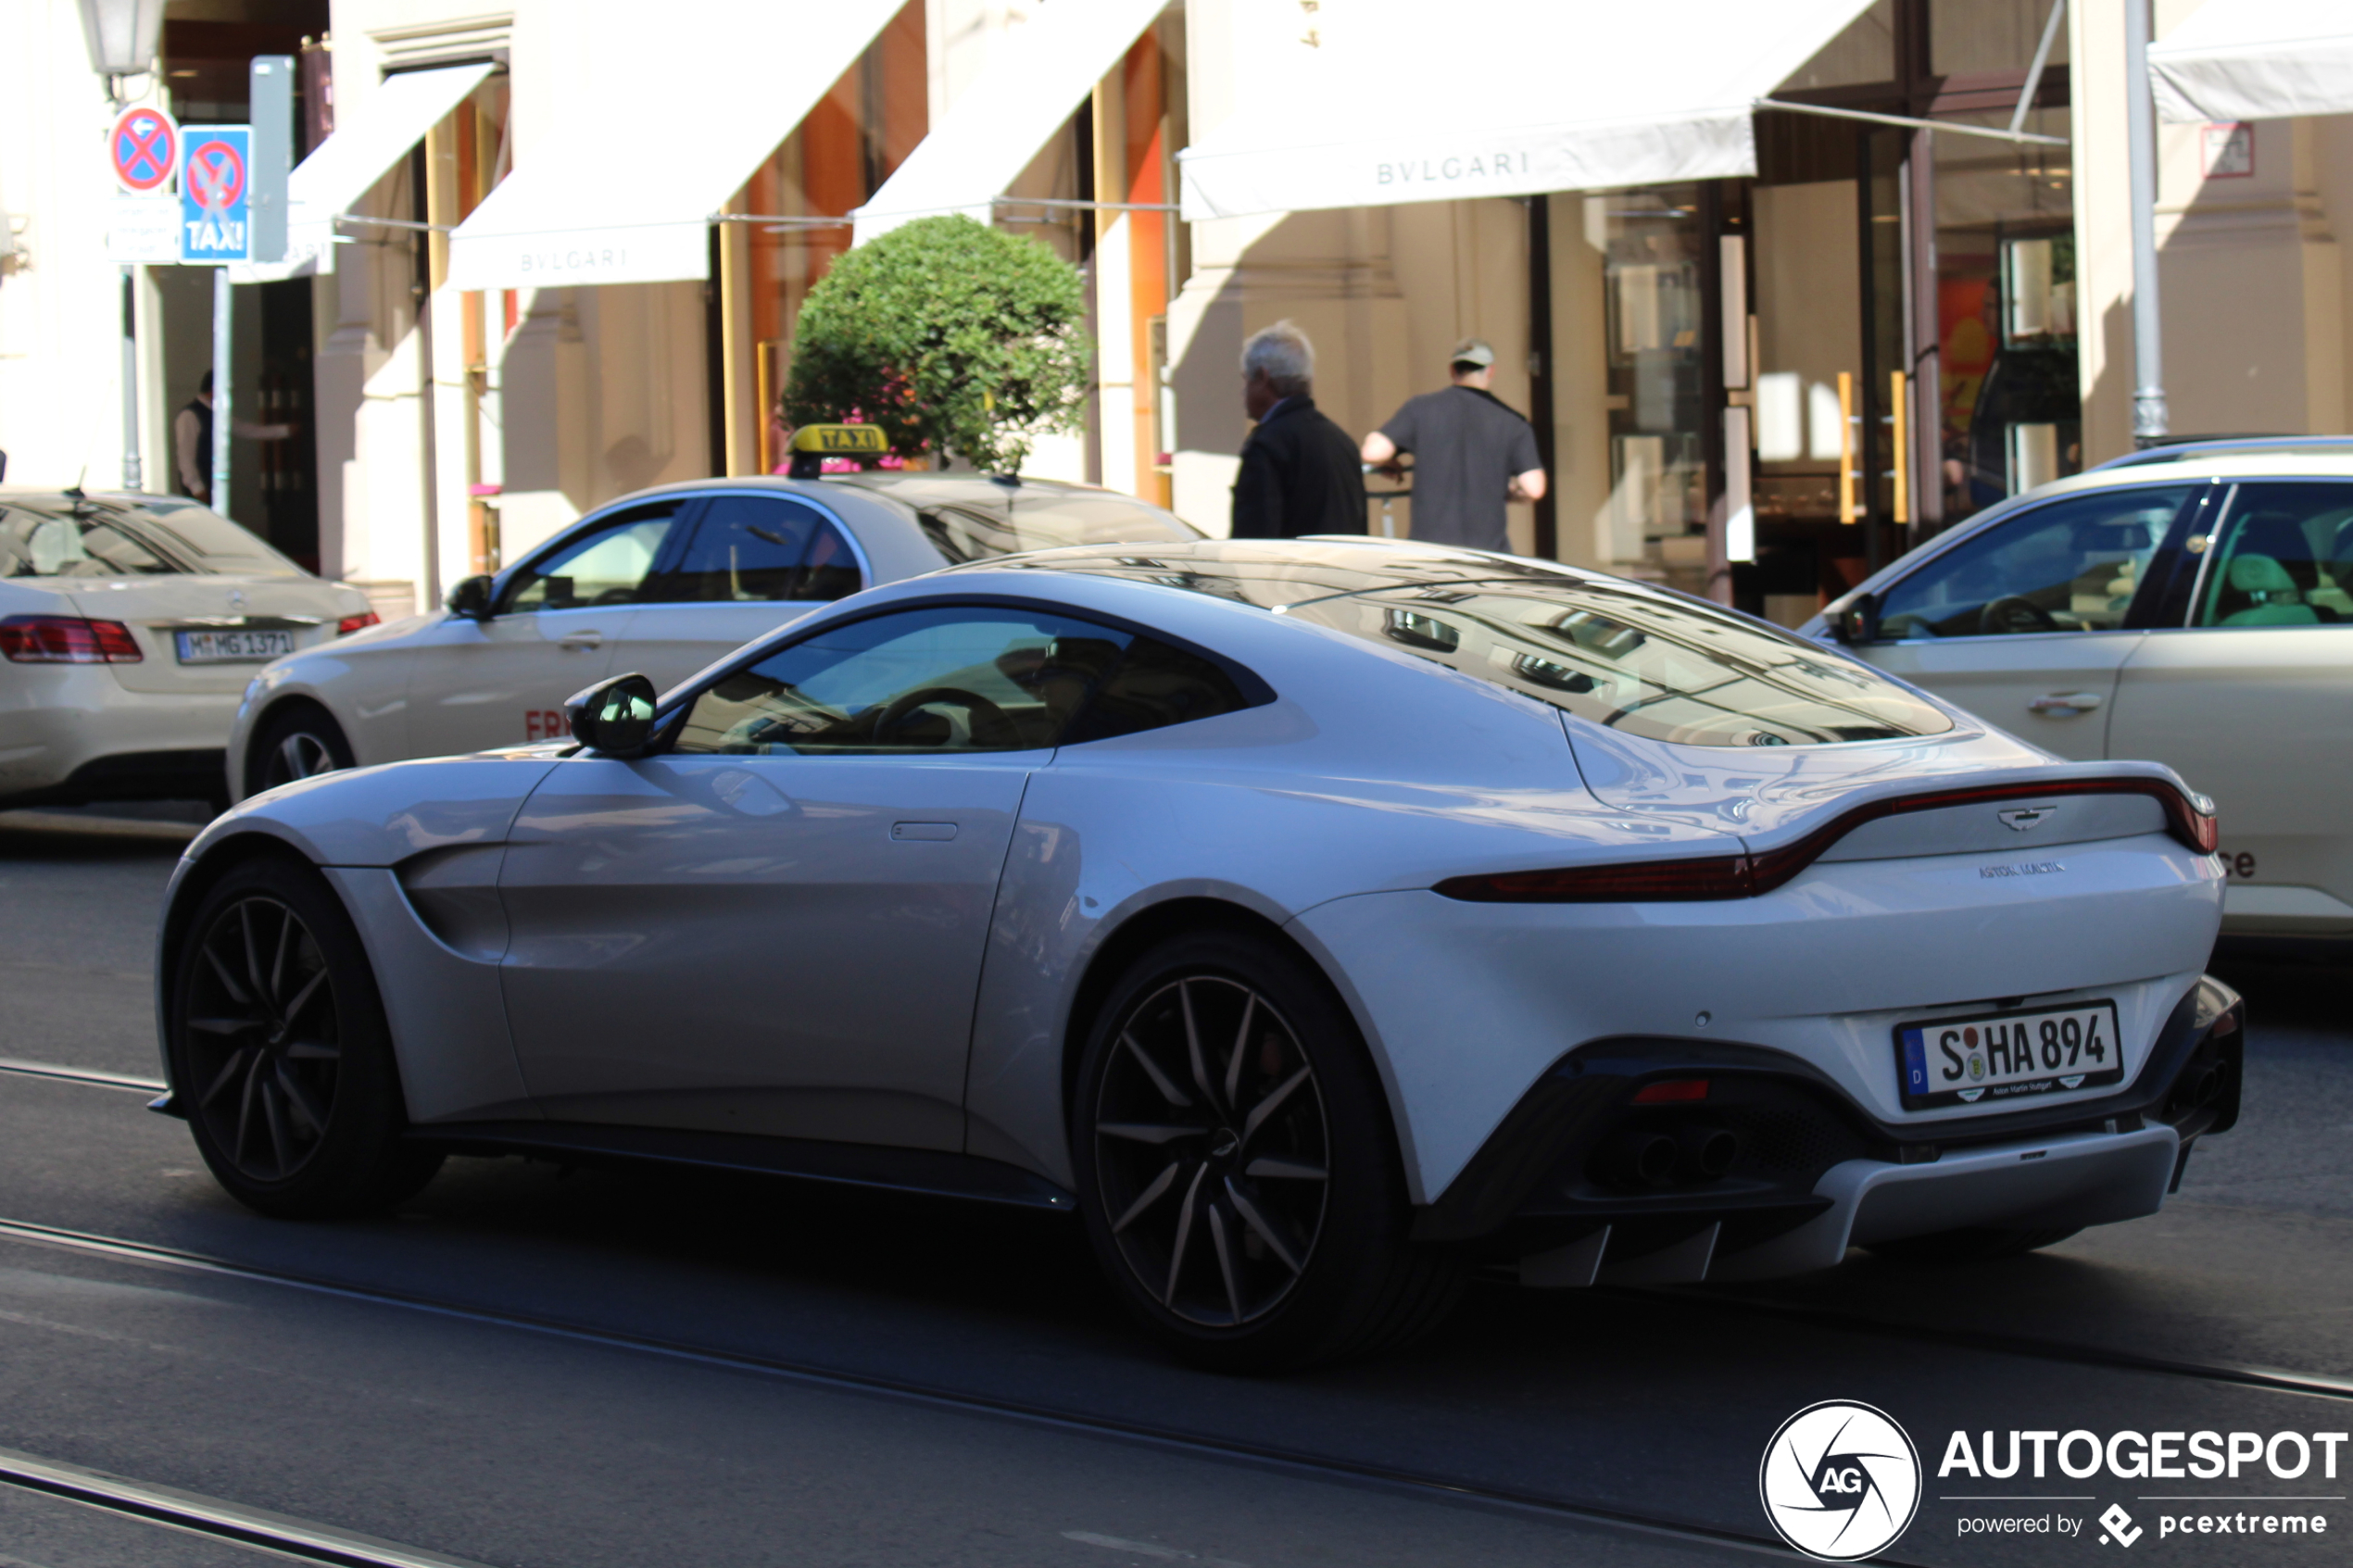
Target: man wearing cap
1472 453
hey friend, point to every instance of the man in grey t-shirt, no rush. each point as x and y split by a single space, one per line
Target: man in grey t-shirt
1471 454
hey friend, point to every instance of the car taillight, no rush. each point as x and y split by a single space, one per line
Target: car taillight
1712 876
359 622
2188 818
1672 1091
66 639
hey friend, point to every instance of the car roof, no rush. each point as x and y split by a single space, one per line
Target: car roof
2190 448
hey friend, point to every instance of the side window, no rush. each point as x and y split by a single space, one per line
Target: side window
1157 685
919 683
2282 556
757 547
606 565
2071 566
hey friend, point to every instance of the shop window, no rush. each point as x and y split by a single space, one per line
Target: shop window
2012 412
1651 242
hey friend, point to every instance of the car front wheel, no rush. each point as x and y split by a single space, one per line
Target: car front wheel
282 1060
1237 1170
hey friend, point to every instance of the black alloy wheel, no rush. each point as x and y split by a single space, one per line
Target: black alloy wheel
299 745
1238 1173
263 1040
282 1060
1211 1145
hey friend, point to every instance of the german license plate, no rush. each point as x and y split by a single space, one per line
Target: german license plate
233 648
1997 1056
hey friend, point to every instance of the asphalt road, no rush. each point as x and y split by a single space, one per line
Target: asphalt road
529 1366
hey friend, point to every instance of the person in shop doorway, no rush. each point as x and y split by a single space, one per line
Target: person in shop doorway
192 441
1299 472
1472 453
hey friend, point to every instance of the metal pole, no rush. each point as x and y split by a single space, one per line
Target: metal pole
2150 424
429 464
131 477
224 402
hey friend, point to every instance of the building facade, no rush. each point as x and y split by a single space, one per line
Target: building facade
549 254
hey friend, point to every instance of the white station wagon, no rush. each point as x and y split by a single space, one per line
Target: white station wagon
2192 606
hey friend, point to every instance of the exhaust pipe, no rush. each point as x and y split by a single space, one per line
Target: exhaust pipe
1707 1152
1640 1159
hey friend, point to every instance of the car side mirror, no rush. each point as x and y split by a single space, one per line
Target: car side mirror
1858 622
615 717
471 599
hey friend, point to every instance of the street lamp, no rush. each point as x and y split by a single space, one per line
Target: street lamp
122 35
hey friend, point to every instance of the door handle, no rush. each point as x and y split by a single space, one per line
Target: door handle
580 640
933 832
2065 704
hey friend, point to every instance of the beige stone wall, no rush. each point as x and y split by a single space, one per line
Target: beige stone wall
2254 293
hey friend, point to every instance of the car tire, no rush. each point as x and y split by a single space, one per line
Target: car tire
1238 1173
1978 1245
282 1060
299 743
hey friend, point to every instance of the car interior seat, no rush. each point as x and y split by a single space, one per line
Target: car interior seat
2336 589
2258 591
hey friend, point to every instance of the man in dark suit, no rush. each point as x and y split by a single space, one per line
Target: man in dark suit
1299 472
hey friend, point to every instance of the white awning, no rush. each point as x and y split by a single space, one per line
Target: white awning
372 137
1388 101
658 129
1037 79
2256 59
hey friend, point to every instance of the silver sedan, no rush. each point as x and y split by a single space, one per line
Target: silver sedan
662 581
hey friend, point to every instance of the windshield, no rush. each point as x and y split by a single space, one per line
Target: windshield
81 542
1655 666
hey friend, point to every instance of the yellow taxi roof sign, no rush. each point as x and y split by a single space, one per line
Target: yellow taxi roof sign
864 440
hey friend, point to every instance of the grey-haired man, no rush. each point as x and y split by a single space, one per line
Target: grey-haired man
1472 453
1299 472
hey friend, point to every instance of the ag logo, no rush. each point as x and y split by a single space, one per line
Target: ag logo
1840 1481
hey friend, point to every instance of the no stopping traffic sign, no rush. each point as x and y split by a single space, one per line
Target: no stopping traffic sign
143 148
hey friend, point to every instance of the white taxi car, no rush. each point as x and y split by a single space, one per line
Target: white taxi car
660 583
2193 606
129 624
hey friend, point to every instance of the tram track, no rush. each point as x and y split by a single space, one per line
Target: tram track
83 1075
210 1517
2272 1380
1265 1457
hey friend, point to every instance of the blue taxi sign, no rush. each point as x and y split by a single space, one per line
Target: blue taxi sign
215 194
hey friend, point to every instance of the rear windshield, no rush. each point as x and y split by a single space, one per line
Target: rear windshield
1034 519
1663 668
36 542
225 545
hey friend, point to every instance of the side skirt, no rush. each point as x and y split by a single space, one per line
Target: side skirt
932 1172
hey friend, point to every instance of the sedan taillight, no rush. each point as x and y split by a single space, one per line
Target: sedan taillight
66 639
359 622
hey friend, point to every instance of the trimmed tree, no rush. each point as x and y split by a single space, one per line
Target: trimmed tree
951 335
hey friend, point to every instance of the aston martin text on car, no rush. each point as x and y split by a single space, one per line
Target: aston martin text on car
1316 921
